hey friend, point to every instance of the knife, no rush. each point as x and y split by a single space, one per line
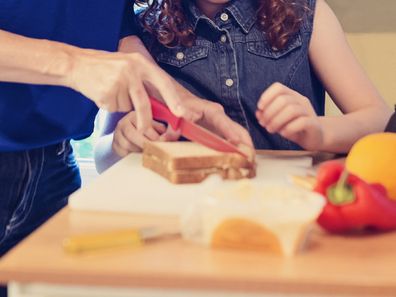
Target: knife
192 131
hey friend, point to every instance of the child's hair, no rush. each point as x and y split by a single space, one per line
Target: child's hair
167 20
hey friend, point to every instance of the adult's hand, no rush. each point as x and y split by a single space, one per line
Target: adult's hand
118 82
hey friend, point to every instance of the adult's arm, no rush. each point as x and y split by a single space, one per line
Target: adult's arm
114 81
35 61
347 84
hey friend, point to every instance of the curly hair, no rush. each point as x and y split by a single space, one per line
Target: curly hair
167 20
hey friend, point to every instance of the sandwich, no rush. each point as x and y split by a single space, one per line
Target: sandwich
185 162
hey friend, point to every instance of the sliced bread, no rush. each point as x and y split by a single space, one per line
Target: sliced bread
189 162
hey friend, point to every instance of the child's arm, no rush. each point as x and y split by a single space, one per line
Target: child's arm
347 84
345 81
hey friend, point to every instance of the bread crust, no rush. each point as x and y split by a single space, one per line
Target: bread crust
209 160
194 169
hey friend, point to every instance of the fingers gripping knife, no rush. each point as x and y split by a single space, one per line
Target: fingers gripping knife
192 131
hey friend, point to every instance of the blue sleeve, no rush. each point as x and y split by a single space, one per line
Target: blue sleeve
129 25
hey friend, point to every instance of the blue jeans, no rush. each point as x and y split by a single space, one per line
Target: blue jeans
34 185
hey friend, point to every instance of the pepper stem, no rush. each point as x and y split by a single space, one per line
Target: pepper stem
341 192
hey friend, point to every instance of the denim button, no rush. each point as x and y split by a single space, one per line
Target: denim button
224 17
180 56
223 38
229 82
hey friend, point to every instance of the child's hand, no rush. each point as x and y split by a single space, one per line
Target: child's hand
128 139
284 111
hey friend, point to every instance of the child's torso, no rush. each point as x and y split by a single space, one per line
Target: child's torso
232 63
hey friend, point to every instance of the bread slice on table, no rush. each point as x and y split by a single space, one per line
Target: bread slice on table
184 162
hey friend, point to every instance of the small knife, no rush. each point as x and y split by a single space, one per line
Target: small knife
192 131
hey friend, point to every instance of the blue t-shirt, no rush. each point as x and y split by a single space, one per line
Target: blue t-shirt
34 116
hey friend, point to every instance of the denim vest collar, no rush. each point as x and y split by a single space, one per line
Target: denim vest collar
243 11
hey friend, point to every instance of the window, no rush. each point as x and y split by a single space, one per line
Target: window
84 150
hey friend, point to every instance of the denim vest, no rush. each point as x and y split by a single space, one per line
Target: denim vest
232 63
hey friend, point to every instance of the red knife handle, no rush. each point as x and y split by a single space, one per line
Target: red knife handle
161 112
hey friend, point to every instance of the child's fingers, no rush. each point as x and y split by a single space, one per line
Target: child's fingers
136 138
132 139
270 94
151 134
122 145
120 151
170 135
296 130
273 108
288 114
159 127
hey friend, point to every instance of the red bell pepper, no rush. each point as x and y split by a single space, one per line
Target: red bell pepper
352 203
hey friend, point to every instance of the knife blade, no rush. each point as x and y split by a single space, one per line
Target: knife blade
192 131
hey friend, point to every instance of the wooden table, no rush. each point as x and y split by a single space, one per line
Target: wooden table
331 266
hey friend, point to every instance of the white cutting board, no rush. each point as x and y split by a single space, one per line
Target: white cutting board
129 187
